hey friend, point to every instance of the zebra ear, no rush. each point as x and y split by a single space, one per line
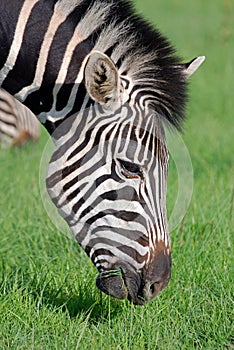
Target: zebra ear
191 67
101 79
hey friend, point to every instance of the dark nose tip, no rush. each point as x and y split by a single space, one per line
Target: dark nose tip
156 275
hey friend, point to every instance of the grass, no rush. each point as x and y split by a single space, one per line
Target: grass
48 298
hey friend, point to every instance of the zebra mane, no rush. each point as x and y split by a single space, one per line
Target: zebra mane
138 50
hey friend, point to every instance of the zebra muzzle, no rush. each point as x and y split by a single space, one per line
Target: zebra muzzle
112 283
122 282
139 287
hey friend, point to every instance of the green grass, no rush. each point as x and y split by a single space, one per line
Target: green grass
48 298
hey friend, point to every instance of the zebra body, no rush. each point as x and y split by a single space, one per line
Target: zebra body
17 123
102 81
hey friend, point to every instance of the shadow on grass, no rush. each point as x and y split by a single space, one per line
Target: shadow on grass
76 300
76 304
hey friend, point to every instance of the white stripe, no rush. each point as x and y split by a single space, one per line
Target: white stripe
18 38
7 117
118 253
8 129
95 15
117 239
61 11
75 40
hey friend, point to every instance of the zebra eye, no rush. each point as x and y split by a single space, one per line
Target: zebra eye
130 170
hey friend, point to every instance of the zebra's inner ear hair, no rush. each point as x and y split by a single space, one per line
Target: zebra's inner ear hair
101 79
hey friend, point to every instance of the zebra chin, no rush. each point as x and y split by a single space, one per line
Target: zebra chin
122 281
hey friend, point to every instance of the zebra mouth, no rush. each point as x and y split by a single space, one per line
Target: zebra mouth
121 283
112 283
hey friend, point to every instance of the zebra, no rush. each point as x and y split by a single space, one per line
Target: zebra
17 123
103 82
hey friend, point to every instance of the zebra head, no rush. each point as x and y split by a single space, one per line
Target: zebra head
107 178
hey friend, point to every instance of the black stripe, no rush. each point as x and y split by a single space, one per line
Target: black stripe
97 252
24 69
8 123
127 193
9 11
131 252
80 52
121 214
132 235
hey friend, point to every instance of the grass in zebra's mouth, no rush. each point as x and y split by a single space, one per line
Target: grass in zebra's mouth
110 273
120 283
112 282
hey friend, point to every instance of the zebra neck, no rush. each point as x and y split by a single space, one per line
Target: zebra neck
42 58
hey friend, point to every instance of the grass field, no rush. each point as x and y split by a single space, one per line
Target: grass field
48 298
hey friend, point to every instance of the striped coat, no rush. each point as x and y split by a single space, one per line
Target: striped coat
103 82
17 123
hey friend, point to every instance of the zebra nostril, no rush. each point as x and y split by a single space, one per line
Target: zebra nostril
151 290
